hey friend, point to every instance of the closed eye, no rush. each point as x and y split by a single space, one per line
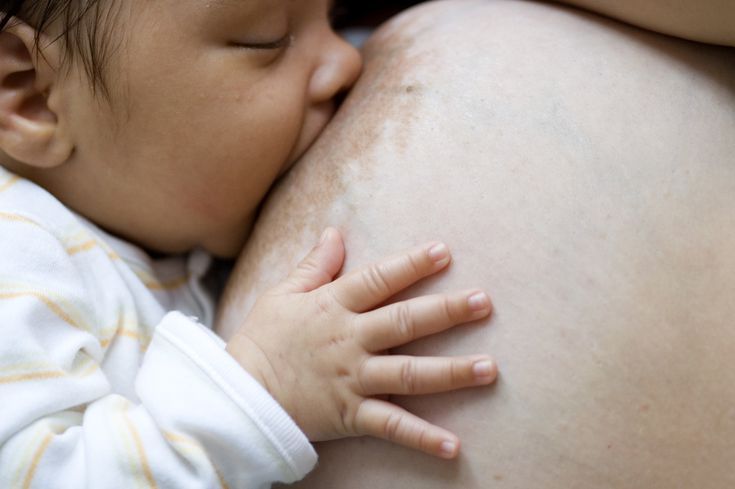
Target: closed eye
281 43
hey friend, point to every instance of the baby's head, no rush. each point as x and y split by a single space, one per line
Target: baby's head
165 121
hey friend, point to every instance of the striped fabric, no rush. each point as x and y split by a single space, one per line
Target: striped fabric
107 379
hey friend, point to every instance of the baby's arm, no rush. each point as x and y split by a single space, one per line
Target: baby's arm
709 21
84 403
194 418
319 346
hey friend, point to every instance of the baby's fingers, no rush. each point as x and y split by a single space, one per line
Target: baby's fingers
406 375
404 322
384 420
365 288
318 268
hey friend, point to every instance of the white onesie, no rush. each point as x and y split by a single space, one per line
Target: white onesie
107 377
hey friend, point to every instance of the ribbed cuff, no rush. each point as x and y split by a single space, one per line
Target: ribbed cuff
207 351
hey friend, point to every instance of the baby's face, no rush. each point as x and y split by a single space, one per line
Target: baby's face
211 101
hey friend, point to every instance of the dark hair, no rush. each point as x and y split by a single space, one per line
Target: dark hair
83 31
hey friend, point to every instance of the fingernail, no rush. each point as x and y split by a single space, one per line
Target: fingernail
483 369
479 301
439 252
448 449
324 237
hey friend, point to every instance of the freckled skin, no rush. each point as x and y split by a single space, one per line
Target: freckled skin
581 171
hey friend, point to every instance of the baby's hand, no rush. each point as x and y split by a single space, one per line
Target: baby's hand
319 346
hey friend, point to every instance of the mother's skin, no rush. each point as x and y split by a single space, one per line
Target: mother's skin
583 172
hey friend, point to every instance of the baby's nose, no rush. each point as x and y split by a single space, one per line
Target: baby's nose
340 66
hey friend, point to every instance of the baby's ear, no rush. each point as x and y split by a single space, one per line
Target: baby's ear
30 132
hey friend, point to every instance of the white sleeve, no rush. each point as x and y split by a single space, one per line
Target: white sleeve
245 430
199 419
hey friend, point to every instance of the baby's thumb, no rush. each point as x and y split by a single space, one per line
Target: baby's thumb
319 267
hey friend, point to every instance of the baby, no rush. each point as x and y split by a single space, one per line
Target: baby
159 125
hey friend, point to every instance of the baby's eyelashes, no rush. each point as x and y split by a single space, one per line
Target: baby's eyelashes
281 43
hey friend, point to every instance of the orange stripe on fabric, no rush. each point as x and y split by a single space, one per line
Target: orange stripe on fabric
177 438
89 370
118 327
36 459
170 285
33 371
143 341
27 366
17 218
9 183
141 452
10 379
90 245
124 436
81 247
55 308
130 334
87 242
140 336
222 481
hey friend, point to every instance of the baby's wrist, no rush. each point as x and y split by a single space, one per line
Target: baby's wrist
256 363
